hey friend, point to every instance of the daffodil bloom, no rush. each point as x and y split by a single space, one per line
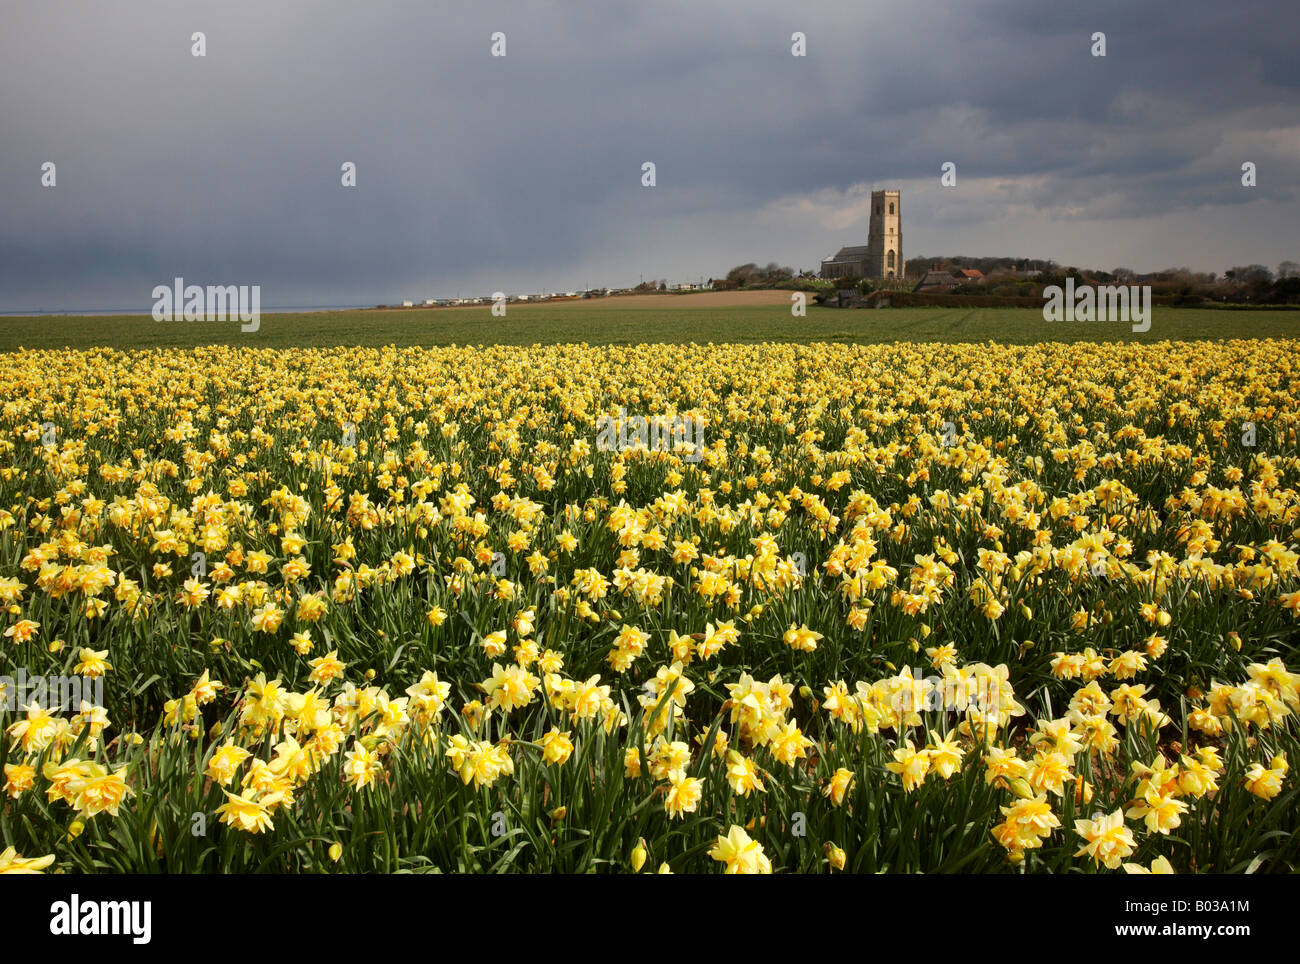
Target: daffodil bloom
668 757
36 730
557 747
840 783
263 704
225 762
1161 813
361 767
267 618
64 777
742 774
1159 865
205 689
23 630
1028 821
12 863
1195 778
841 705
802 638
193 593
1002 765
1067 665
1049 772
740 854
588 699
1203 721
494 644
1107 840
523 622
911 764
1266 782
509 687
1127 665
683 794
945 754
99 791
716 638
326 668
1129 702
788 744
92 663
526 653
19 778
1160 777
247 814
428 696
940 656
481 762
472 711
628 647
1057 735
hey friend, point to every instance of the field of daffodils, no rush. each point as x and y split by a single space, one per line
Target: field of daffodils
921 608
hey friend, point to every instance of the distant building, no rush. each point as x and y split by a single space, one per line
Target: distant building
850 262
936 280
971 274
885 236
408 304
882 256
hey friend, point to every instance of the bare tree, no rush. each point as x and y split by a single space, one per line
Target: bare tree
742 273
1249 274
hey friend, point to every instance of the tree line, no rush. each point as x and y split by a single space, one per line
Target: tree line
1027 277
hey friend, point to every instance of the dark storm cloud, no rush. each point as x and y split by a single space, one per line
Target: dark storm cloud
478 173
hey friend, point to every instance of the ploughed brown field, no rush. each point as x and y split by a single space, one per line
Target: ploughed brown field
693 299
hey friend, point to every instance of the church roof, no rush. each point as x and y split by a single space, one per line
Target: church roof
852 253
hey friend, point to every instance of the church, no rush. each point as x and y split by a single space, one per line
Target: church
882 255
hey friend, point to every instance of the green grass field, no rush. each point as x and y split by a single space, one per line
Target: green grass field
608 324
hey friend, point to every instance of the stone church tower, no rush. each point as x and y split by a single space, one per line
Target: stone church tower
882 256
885 236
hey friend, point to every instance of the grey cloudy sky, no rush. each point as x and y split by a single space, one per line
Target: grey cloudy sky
520 173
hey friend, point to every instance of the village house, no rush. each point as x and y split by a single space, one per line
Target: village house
937 280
